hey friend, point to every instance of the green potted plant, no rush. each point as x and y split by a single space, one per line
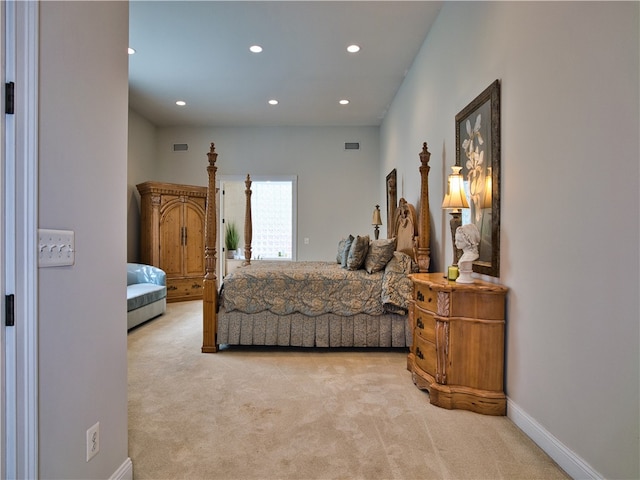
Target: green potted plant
231 239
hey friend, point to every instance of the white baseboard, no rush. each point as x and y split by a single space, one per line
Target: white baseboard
125 472
571 463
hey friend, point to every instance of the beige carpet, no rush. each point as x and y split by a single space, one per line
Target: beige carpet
268 413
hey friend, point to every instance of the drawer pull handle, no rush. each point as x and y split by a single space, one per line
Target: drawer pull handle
172 287
420 296
419 323
195 285
419 353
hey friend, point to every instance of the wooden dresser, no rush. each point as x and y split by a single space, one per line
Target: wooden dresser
458 343
172 235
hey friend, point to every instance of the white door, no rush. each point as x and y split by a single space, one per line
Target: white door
18 233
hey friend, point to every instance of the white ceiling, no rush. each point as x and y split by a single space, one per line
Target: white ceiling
199 52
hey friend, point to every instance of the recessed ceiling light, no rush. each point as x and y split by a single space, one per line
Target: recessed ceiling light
353 48
344 101
273 101
182 103
255 48
130 51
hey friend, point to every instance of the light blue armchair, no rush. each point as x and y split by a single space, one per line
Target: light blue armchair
146 293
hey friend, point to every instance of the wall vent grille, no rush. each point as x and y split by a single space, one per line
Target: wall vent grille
180 147
352 146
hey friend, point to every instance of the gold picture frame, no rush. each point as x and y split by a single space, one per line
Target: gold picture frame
478 153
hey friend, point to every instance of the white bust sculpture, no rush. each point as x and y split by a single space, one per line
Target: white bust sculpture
467 239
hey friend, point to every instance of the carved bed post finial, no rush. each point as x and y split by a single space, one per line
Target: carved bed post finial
248 225
210 226
210 294
424 221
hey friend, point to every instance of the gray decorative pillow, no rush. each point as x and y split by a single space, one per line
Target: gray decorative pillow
341 245
358 252
379 254
345 251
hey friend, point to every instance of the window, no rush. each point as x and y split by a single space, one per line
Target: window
273 212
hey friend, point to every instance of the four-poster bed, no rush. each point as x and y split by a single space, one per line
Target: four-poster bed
310 304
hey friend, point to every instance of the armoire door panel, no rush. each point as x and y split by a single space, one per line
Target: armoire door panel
170 241
194 245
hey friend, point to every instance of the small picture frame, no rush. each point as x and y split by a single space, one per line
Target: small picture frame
392 201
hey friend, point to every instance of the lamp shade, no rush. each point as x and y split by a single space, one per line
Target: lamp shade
376 219
455 197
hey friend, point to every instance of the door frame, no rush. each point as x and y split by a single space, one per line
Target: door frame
19 165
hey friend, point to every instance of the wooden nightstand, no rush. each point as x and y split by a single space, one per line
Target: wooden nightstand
458 343
231 264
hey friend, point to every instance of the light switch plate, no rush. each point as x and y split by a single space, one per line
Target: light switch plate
56 248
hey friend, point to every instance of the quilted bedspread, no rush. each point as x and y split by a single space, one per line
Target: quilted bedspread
313 288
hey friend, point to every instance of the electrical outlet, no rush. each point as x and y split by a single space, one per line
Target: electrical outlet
93 441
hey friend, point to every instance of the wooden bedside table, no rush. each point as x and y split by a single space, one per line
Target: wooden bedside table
457 353
231 265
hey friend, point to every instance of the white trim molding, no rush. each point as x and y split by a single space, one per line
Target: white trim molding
124 472
571 463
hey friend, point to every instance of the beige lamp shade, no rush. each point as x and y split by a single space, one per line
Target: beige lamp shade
376 219
455 197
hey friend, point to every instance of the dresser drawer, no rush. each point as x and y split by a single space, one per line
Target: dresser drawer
184 288
425 324
425 353
426 297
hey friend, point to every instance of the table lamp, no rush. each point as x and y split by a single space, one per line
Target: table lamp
376 221
455 200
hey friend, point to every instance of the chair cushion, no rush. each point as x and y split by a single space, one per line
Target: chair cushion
141 294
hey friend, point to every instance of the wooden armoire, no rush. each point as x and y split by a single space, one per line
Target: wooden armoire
172 235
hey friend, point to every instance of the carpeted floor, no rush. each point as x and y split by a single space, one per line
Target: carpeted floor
269 413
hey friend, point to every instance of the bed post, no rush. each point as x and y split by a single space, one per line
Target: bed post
424 223
210 294
248 225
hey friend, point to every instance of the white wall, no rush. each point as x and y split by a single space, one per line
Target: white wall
337 189
140 167
82 176
570 206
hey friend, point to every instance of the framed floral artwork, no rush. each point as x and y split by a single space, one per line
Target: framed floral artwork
478 153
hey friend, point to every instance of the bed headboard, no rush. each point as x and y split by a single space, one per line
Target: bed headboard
405 226
413 231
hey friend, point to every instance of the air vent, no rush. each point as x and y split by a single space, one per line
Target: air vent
180 147
352 146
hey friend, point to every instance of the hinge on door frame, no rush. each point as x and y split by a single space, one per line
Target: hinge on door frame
9 88
9 311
